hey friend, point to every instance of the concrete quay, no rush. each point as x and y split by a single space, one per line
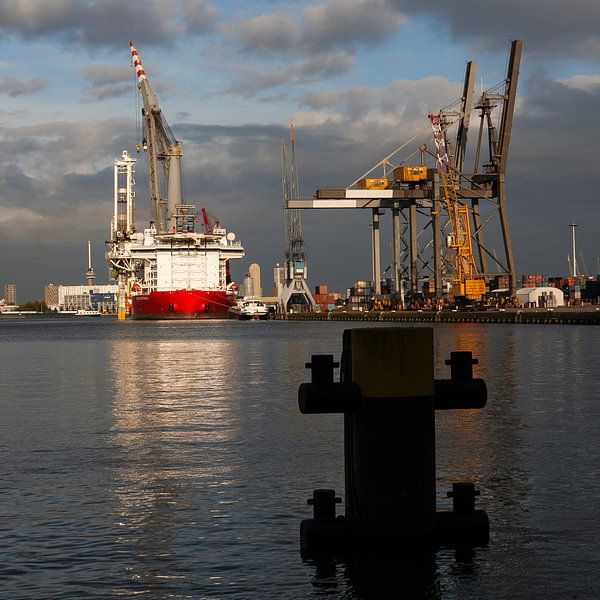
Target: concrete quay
558 316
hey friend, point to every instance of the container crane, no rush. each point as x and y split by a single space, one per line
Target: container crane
295 294
466 282
163 148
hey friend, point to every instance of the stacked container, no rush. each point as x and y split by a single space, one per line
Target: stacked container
360 294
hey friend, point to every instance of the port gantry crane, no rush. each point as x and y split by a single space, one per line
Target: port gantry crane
415 195
295 294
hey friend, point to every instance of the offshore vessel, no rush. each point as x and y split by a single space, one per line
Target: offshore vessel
178 267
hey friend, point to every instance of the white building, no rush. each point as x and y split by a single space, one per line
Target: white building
82 297
541 297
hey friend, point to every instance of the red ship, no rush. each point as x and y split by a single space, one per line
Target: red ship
171 270
181 304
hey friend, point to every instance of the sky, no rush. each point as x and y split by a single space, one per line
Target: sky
357 79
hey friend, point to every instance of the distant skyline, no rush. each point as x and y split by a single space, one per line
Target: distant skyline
356 77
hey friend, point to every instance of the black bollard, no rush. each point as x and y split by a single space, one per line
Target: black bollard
388 396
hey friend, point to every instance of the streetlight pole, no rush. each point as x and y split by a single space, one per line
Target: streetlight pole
572 226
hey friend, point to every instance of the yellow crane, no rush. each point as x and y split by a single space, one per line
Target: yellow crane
466 282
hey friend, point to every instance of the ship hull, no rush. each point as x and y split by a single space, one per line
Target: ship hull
181 304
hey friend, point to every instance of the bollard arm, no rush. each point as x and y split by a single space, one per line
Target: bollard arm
339 397
452 394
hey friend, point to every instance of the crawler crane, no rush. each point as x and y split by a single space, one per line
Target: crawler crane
466 283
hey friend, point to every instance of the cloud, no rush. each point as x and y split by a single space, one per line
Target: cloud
56 193
48 152
253 80
268 33
402 104
588 83
14 87
339 23
332 25
550 30
106 82
106 23
324 37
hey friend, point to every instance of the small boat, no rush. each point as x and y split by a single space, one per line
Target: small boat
249 310
87 313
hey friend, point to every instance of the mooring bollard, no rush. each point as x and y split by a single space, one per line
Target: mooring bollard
388 396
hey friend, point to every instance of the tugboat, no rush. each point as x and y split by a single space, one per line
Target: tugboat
249 310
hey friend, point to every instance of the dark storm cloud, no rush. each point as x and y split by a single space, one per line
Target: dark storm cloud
550 177
235 173
48 168
551 173
550 29
106 23
10 86
236 170
56 193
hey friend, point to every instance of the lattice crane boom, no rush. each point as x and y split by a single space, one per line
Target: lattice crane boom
466 281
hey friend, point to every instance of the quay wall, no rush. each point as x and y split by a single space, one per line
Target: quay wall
554 317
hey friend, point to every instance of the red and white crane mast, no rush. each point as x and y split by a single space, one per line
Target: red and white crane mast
163 148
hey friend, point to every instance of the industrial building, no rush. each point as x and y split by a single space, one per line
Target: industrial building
81 297
540 297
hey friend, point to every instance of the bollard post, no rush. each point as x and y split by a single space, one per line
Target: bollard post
388 396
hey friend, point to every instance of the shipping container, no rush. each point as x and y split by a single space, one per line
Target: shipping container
380 183
410 174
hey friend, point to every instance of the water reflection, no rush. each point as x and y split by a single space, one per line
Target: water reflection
484 445
168 410
374 574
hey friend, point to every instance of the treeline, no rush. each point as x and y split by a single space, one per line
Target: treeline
36 305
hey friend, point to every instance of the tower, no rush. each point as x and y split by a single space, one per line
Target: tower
123 223
254 271
10 293
90 276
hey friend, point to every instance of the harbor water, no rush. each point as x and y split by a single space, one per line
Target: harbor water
170 460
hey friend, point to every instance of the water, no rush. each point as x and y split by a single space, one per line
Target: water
169 460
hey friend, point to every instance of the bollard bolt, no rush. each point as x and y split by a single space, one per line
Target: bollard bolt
463 497
461 365
323 503
322 367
